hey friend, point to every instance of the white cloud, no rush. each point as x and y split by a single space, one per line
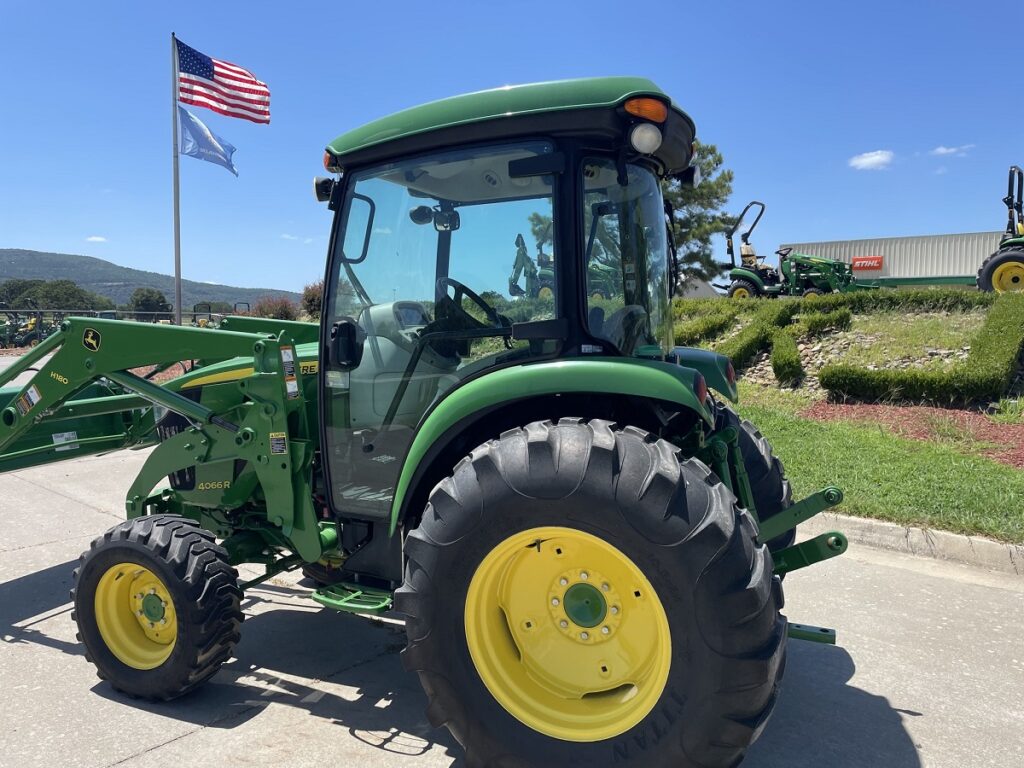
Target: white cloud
872 161
289 237
95 239
961 151
307 241
941 170
382 230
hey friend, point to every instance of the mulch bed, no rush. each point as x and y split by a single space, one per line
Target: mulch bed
919 422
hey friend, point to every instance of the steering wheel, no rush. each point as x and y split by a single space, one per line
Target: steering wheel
461 290
782 253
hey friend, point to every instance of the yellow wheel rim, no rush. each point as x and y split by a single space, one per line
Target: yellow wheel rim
135 616
545 293
1008 277
741 293
568 634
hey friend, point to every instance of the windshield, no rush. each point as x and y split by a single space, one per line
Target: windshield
627 258
411 228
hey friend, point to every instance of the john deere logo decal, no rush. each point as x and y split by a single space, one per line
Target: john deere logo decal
91 340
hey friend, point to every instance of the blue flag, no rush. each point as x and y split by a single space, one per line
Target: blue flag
197 140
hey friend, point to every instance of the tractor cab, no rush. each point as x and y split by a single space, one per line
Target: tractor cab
418 297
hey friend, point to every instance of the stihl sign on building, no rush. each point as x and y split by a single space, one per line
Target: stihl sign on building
866 263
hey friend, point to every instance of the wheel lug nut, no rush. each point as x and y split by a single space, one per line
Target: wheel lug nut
605 630
138 613
152 590
584 575
152 625
605 587
554 601
615 609
563 623
563 581
163 603
138 596
163 622
584 635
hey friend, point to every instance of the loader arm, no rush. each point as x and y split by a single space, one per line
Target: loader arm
247 443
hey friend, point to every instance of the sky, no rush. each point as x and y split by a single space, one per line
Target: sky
850 120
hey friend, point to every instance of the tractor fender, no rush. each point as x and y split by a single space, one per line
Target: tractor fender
740 273
716 369
628 377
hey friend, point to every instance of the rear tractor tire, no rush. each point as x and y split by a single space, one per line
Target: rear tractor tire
577 594
157 606
813 293
743 289
1003 271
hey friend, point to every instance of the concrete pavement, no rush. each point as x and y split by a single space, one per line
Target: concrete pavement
929 671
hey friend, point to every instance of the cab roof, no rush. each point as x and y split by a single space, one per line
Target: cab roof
506 111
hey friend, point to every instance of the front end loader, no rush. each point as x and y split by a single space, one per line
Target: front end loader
586 541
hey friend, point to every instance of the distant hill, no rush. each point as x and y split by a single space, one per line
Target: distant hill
118 283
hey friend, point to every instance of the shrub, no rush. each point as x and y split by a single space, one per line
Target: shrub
786 359
276 307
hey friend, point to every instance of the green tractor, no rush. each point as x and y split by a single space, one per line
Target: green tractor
585 540
1004 270
797 274
10 326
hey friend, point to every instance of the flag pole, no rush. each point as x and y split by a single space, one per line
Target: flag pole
174 164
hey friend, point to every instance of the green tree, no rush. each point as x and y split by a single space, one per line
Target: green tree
149 304
313 299
62 294
278 308
12 290
698 213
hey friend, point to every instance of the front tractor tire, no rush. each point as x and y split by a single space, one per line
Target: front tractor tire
1003 271
578 595
157 606
743 289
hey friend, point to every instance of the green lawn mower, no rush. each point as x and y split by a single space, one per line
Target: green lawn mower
586 542
1003 271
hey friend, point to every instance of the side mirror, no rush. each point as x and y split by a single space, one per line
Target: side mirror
690 177
345 348
323 186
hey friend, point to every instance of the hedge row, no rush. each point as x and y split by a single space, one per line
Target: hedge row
758 335
986 374
859 302
816 323
918 300
705 327
786 359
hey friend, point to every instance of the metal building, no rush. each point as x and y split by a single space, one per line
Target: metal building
924 256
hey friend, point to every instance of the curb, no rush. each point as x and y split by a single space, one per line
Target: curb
923 542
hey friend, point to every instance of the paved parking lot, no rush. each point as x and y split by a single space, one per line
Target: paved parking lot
929 670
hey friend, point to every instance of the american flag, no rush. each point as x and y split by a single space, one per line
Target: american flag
221 86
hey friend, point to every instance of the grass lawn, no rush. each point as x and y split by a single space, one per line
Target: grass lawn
929 484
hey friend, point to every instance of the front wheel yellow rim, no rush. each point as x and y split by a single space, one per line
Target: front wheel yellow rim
135 615
568 634
741 293
1008 277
